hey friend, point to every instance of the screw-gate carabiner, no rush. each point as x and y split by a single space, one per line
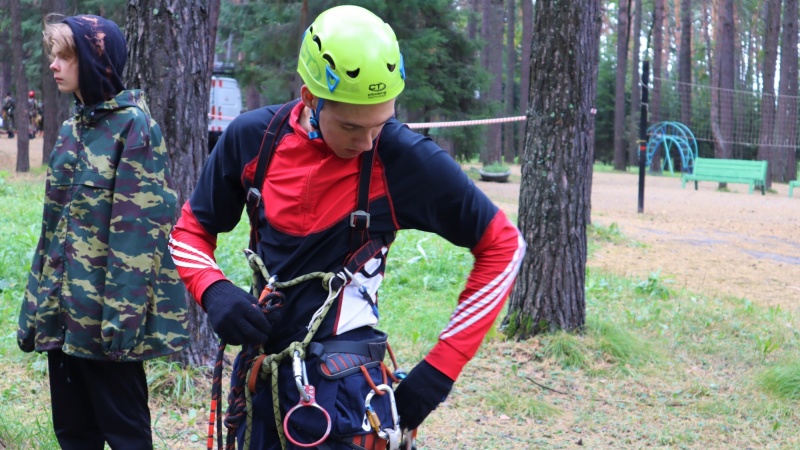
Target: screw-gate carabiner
392 435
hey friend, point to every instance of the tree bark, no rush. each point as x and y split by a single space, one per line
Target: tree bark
168 57
658 58
772 26
723 53
636 89
726 70
472 20
785 167
509 149
55 105
525 68
21 121
658 50
685 63
550 290
492 57
5 56
619 93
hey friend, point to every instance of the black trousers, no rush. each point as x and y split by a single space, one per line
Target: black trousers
95 402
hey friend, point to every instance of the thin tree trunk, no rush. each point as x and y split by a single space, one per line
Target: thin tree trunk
772 26
21 121
619 93
525 68
727 68
658 58
169 59
252 97
55 105
472 20
785 167
5 56
550 290
509 149
685 63
636 89
655 95
492 56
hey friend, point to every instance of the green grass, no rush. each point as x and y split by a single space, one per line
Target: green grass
655 365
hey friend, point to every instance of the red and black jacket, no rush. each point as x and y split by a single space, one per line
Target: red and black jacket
304 225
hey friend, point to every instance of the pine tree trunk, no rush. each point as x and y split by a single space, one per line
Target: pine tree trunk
550 290
5 55
619 93
685 63
21 121
658 49
525 68
168 57
492 55
636 90
785 166
726 68
772 26
509 149
55 105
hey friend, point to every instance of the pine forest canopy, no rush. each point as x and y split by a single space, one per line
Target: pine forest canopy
448 80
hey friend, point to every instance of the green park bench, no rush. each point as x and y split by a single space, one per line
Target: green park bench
792 185
752 173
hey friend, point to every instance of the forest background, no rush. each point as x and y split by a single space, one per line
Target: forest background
727 69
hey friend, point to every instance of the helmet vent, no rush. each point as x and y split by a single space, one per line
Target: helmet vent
391 67
328 58
316 39
353 73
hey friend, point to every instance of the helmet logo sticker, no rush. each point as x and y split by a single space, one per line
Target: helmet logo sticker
377 87
310 62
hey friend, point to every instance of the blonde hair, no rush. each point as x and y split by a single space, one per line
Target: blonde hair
58 38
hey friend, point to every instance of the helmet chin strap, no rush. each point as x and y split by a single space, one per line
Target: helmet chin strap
314 120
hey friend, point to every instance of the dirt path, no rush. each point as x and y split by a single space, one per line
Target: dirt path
717 243
723 243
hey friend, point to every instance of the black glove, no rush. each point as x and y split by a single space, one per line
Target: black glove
235 315
420 393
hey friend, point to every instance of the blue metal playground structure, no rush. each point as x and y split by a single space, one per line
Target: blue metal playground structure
669 135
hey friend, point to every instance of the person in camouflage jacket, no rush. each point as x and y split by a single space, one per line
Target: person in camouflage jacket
103 295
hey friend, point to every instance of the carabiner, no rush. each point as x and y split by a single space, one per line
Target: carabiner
389 434
307 399
300 375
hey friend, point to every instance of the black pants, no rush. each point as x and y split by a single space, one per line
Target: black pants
99 401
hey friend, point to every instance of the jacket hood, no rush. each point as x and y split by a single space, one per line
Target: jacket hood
102 54
125 99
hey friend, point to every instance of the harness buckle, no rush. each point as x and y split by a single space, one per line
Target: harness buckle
358 213
254 195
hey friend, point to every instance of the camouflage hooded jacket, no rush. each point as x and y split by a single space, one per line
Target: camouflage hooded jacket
101 285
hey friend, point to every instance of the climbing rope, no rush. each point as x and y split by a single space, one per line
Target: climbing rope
255 364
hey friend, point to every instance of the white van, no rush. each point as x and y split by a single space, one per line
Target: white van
225 103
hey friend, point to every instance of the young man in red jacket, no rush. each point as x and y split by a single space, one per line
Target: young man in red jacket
343 177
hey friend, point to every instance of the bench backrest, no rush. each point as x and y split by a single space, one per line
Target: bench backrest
733 168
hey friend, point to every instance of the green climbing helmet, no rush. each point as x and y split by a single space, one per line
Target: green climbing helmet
350 55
